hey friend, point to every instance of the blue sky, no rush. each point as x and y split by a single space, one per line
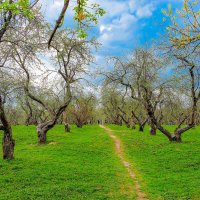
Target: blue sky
127 23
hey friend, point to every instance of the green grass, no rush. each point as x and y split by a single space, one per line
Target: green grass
84 165
79 165
167 170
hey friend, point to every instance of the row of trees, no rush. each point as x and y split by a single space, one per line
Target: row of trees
24 111
159 85
42 85
37 81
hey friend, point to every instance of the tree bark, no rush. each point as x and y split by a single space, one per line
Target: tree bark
1 127
67 128
176 137
8 143
42 133
28 120
141 128
43 128
153 129
59 21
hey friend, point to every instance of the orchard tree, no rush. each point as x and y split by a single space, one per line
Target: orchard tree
182 48
137 74
111 100
120 107
32 112
69 57
10 12
7 88
185 26
82 109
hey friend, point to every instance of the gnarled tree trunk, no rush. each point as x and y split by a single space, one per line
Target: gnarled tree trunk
44 127
140 123
42 134
42 130
178 131
8 143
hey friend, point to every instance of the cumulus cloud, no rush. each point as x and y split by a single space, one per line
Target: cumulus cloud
115 25
117 30
122 24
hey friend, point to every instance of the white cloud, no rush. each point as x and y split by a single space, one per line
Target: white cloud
115 26
105 28
117 30
145 11
132 5
120 23
112 7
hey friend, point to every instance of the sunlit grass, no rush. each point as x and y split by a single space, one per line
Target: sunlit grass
167 170
78 165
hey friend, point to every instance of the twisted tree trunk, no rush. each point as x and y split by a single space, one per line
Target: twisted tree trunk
42 134
44 127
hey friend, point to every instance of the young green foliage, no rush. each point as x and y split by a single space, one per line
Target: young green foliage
185 24
86 15
18 7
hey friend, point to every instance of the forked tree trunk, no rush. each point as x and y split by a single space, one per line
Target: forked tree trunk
42 130
177 133
127 122
176 137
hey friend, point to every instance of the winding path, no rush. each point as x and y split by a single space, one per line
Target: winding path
119 151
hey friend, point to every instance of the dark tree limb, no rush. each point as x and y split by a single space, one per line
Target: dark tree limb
59 21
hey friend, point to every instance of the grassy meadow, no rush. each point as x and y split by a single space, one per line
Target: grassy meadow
78 165
166 170
83 165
